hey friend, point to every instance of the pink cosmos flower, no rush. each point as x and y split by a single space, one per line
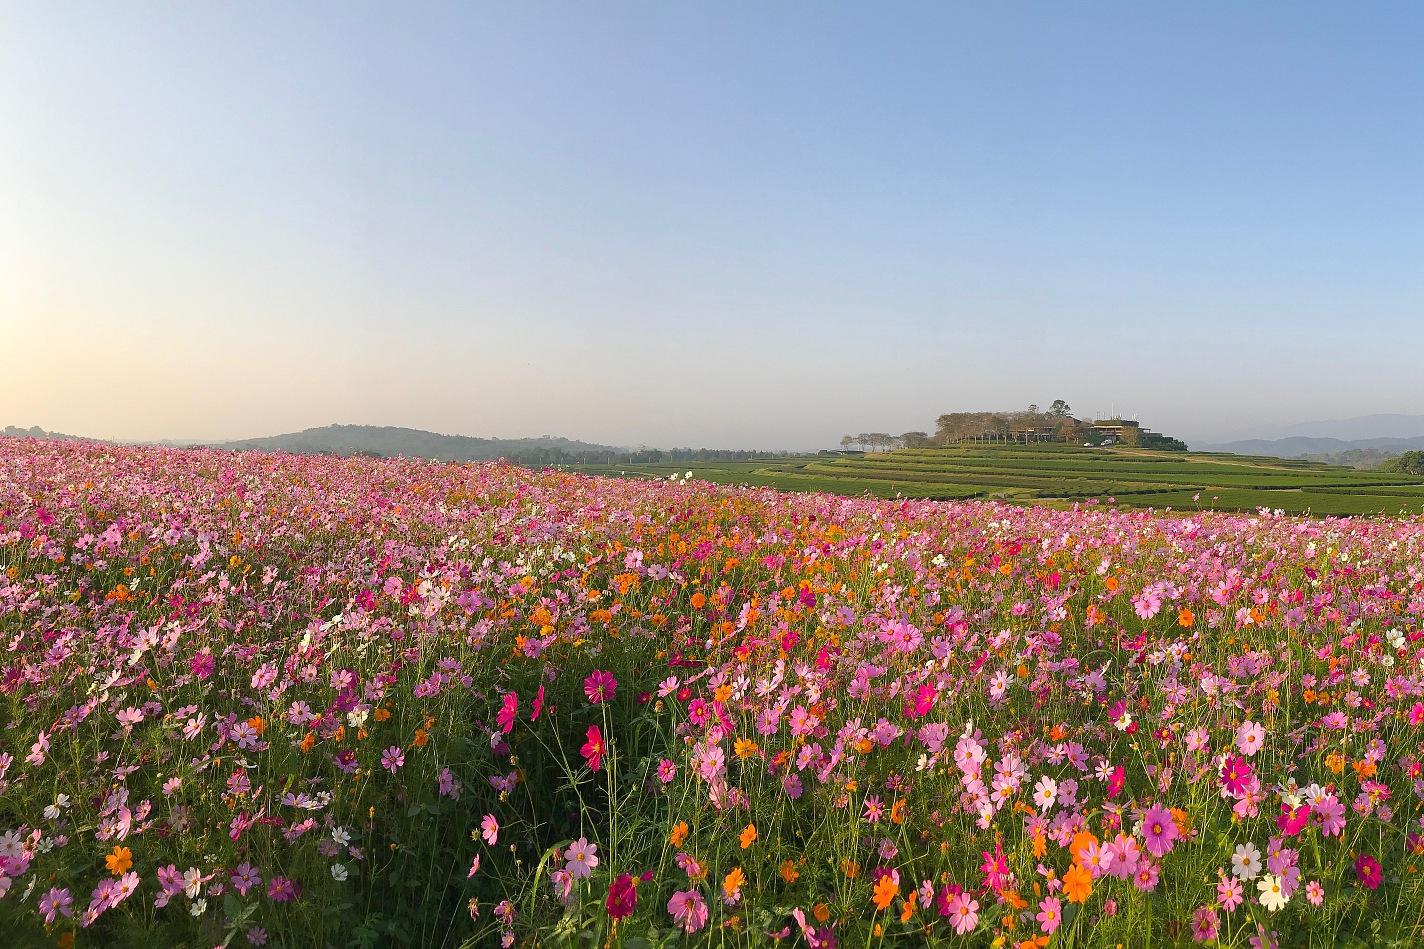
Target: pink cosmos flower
245 877
1230 893
283 890
393 758
1050 915
1159 831
489 829
563 883
56 902
1205 924
1250 737
1328 814
688 910
963 913
581 857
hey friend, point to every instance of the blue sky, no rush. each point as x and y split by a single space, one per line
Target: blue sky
751 225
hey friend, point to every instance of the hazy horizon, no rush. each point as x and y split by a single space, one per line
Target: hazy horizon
731 226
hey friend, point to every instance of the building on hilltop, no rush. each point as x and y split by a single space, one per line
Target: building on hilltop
1115 427
1130 432
958 428
1035 433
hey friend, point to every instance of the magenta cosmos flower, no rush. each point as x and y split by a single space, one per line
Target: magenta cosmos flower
1367 869
593 748
1236 773
622 896
600 686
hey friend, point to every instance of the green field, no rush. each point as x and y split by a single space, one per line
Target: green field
1062 474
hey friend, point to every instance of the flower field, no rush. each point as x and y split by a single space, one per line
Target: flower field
272 700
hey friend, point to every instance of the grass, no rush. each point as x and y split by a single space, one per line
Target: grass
1056 473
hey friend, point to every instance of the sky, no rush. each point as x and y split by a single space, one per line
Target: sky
755 225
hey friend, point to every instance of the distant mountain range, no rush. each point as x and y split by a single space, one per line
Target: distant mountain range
1361 440
1362 427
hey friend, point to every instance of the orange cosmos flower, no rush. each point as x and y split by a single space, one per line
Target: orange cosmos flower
119 860
885 892
1077 884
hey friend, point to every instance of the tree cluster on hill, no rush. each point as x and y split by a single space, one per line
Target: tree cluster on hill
1058 420
883 441
1411 462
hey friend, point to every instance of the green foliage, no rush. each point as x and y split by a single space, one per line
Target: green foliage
1411 462
1056 472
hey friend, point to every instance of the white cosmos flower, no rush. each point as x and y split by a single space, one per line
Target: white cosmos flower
1273 897
1246 861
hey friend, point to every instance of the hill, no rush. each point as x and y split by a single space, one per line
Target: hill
34 431
387 441
1063 474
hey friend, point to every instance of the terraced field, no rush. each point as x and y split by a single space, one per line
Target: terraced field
1064 474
